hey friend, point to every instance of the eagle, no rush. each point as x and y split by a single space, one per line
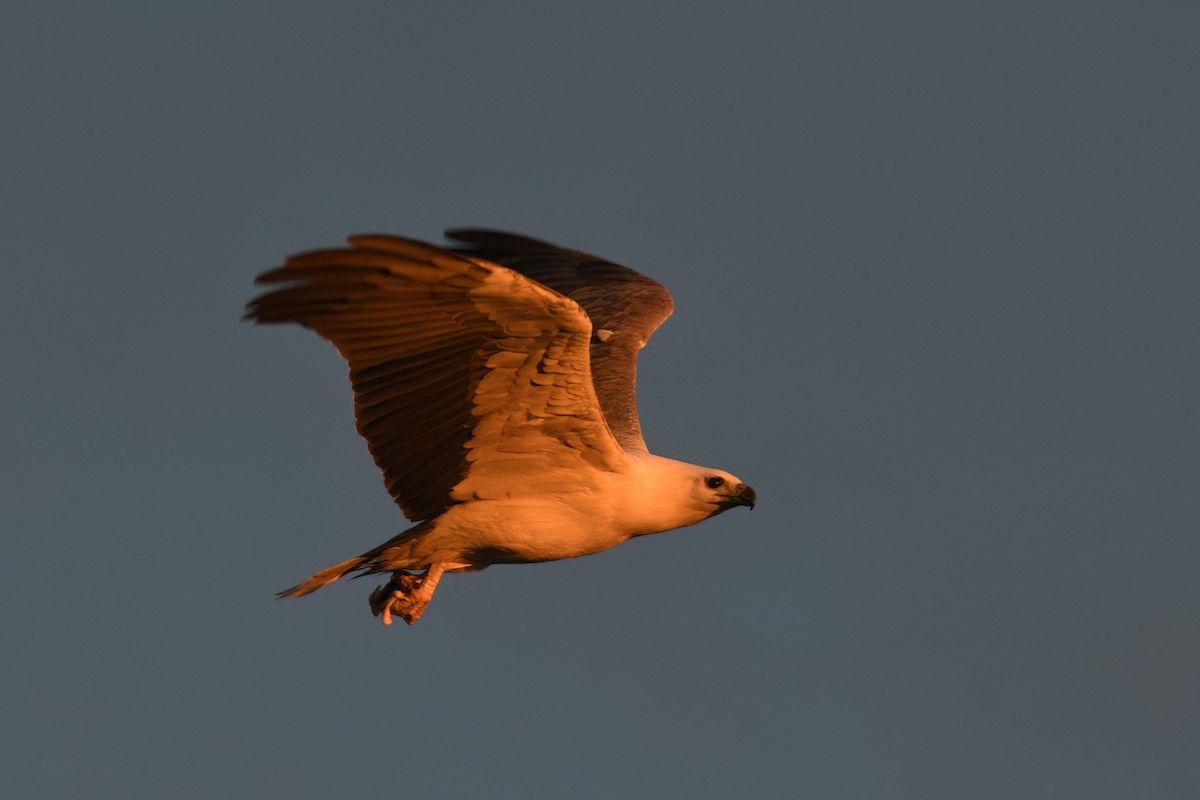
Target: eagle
494 382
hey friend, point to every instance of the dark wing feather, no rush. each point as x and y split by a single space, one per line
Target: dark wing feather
626 308
444 351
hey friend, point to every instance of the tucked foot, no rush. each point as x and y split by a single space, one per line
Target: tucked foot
405 595
402 585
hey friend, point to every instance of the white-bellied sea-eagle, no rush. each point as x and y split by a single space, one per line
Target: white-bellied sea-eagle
494 383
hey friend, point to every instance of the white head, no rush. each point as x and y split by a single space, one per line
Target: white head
668 494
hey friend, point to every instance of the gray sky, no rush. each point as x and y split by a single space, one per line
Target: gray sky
935 267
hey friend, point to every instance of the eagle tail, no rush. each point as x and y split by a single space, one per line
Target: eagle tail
394 554
325 577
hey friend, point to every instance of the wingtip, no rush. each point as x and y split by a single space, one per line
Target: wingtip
494 237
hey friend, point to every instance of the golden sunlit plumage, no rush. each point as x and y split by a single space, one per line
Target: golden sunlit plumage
494 384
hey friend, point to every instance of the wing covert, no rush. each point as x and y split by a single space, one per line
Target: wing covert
625 307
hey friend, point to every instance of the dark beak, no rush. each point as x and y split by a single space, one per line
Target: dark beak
745 497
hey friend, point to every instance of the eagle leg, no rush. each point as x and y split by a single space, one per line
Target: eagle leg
406 594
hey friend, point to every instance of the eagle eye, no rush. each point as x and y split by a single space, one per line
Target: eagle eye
714 483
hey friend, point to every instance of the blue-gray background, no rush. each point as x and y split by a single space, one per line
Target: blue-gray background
935 267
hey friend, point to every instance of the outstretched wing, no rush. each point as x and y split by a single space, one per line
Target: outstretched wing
465 373
625 306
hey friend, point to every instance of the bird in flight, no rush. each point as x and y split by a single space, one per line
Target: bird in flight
494 382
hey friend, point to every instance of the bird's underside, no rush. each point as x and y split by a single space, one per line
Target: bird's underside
494 383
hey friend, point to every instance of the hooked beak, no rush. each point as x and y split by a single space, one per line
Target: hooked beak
744 496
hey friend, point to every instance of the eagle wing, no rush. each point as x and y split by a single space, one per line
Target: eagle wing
625 306
465 373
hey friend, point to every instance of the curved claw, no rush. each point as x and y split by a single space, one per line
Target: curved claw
405 594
